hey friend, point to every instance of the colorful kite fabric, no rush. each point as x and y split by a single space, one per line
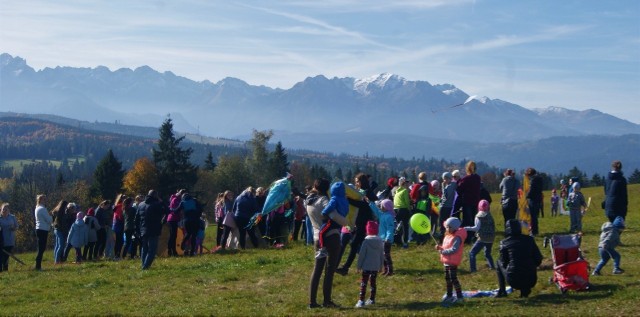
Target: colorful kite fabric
279 195
524 216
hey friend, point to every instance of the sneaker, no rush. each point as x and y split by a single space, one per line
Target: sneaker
314 305
447 301
596 273
369 302
359 304
618 271
322 253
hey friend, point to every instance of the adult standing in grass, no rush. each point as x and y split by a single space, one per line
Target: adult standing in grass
148 226
469 194
43 225
319 206
365 214
60 230
104 217
129 228
615 190
534 198
8 226
509 188
244 207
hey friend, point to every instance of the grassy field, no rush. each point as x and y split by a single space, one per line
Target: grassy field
262 282
17 164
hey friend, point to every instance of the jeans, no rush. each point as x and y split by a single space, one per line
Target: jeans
148 251
605 255
476 249
509 208
243 231
109 244
60 245
576 220
309 232
192 227
130 245
119 235
42 244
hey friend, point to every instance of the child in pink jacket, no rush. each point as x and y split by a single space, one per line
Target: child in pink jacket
451 256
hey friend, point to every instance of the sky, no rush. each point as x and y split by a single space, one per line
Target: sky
574 54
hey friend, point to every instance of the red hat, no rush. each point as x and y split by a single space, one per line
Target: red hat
391 181
91 212
372 228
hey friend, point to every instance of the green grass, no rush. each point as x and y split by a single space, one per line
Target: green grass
275 282
18 164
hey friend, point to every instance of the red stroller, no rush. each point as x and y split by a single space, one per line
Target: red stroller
570 269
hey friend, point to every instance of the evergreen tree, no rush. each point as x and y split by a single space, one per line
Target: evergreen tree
209 164
278 161
258 162
634 178
596 180
107 178
174 168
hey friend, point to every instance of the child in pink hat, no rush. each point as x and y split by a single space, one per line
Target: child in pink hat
370 262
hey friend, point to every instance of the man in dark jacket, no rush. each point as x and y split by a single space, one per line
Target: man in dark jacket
534 197
615 191
148 220
519 258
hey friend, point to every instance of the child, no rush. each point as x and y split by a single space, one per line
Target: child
78 236
451 256
485 229
577 207
386 231
423 206
200 235
370 262
555 201
609 240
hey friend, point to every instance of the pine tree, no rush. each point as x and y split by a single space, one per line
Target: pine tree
107 177
635 177
209 164
174 168
278 162
258 162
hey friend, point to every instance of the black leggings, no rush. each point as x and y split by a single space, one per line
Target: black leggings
327 264
42 244
100 244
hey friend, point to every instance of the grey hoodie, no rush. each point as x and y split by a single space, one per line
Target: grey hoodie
610 236
371 256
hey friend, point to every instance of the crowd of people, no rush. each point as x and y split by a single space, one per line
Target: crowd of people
458 208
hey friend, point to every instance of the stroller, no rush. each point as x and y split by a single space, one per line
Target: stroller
570 269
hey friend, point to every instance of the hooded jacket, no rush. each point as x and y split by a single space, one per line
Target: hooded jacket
315 204
149 217
519 256
371 255
616 200
245 205
79 234
610 236
448 256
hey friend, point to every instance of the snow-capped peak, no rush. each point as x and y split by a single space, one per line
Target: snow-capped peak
377 82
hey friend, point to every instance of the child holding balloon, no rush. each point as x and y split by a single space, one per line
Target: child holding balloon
451 256
485 229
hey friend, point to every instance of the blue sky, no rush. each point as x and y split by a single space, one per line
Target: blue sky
573 54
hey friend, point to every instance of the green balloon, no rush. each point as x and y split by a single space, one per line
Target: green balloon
420 223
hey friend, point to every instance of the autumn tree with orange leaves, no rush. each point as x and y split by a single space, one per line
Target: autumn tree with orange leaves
142 177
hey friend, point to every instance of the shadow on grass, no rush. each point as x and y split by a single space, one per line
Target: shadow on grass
596 292
418 272
412 306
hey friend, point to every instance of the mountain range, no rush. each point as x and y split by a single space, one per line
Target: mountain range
381 115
